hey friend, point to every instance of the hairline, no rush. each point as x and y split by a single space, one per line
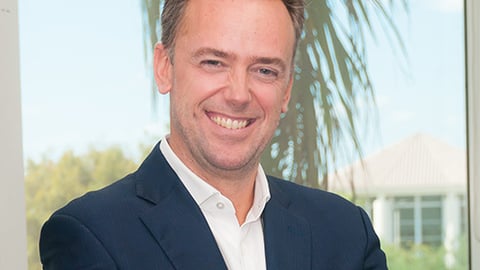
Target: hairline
180 25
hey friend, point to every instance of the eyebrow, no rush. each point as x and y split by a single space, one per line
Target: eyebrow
210 51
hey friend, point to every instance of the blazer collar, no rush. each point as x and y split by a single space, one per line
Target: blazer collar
287 236
175 221
178 225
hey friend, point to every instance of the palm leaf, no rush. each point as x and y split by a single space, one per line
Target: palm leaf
331 80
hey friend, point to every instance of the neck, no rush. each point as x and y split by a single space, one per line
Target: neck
240 191
236 184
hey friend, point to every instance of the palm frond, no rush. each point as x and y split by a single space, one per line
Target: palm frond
323 123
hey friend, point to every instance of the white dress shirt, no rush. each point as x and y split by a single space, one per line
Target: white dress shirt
242 246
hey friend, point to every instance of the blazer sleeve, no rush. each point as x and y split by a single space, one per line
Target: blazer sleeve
374 256
66 243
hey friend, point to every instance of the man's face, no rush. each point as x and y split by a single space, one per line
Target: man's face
230 81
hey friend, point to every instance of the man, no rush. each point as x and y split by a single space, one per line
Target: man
201 200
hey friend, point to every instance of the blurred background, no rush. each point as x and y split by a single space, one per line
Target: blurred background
377 114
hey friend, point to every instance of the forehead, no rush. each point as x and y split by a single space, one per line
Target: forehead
260 26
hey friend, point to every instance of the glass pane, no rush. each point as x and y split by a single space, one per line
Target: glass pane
414 163
432 226
86 99
433 199
407 227
85 89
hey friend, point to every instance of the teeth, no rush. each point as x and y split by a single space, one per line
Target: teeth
229 123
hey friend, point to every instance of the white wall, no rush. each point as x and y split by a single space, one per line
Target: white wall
383 218
12 199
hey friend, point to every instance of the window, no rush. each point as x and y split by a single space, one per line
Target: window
402 214
414 167
86 98
404 221
431 213
418 220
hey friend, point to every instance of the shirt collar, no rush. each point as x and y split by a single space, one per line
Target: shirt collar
201 191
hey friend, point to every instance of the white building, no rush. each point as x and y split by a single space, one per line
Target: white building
414 191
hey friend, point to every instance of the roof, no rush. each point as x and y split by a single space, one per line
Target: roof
418 164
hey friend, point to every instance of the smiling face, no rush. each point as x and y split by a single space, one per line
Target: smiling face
230 80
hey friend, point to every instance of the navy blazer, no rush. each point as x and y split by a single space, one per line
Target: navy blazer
148 220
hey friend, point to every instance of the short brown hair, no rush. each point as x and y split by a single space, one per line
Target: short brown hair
174 10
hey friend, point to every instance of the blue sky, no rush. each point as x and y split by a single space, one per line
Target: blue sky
84 80
426 94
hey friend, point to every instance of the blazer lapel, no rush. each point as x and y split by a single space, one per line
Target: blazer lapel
176 221
287 236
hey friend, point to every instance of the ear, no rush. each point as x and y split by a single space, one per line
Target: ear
162 69
286 95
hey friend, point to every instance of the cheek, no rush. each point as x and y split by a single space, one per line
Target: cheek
270 102
194 85
271 98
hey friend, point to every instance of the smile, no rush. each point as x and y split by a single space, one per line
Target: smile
229 123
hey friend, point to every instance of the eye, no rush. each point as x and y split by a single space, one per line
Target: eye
267 72
211 63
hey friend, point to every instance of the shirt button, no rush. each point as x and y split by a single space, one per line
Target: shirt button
220 205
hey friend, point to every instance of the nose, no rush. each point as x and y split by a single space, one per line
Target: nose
238 92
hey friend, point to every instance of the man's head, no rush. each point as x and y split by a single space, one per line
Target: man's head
174 10
230 80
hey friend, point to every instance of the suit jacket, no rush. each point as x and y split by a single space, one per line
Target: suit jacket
148 220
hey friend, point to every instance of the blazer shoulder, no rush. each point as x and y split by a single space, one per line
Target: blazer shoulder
112 198
310 197
152 181
335 222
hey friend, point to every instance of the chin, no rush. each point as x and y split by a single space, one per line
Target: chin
227 164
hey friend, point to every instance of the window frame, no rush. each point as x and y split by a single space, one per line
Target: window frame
13 230
417 204
472 59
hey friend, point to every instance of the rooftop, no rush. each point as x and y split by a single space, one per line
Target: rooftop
420 163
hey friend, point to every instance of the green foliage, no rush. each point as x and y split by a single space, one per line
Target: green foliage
332 90
462 255
423 257
415 258
51 184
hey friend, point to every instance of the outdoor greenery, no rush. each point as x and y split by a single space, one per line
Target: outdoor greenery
423 257
51 184
331 82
